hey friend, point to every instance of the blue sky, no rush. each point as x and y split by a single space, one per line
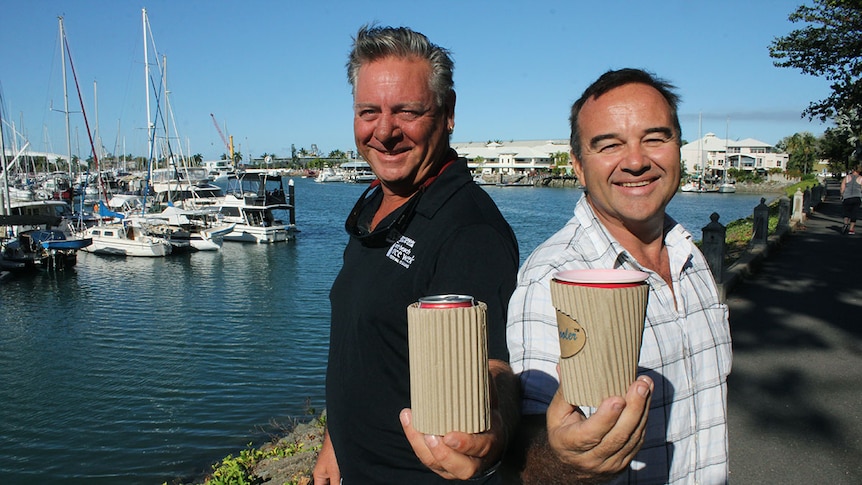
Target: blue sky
273 73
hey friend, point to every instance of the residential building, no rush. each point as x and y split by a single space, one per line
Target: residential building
712 156
512 157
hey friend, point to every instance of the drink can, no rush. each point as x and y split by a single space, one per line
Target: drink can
447 301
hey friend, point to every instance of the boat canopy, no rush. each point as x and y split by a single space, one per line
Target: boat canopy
29 220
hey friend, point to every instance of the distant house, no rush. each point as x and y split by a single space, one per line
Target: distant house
512 157
713 155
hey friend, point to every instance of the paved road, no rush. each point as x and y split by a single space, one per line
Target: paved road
795 392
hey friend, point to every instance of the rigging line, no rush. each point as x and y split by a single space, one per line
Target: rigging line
159 115
86 123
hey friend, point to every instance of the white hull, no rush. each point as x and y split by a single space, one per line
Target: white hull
329 175
256 204
210 239
119 240
260 235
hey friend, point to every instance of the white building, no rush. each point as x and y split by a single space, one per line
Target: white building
713 155
512 157
716 155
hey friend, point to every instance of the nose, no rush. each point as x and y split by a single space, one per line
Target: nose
387 127
636 159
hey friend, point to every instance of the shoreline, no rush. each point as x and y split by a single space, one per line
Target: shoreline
570 181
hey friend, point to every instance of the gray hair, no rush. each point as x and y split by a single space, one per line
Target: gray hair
373 43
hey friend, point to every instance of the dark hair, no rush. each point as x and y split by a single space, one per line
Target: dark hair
614 79
372 43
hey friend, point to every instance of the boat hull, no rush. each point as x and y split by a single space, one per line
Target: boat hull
119 240
260 235
136 250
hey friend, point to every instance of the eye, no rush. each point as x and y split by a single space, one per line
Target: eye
366 114
608 146
656 141
409 115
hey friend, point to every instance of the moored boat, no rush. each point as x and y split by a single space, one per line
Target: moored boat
256 203
42 247
329 174
200 230
727 188
123 239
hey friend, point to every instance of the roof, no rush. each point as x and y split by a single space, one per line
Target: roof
712 143
518 149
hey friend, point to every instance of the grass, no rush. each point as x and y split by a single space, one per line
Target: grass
240 469
739 233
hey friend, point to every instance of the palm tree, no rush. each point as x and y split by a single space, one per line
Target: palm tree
802 148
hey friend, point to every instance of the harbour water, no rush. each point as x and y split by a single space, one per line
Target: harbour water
141 371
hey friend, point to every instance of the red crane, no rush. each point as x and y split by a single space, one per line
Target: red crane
227 145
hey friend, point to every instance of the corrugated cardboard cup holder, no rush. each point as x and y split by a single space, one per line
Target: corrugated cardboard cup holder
449 369
600 329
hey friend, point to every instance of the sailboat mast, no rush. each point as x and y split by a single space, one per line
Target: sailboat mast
66 96
6 207
98 135
726 151
150 125
700 147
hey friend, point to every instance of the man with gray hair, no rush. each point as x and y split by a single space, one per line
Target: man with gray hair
423 228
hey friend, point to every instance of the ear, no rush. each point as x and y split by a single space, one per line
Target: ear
577 167
450 111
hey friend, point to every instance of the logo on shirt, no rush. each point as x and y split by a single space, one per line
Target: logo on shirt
402 252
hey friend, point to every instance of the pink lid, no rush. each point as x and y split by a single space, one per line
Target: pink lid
601 276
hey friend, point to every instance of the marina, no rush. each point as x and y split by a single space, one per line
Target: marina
146 370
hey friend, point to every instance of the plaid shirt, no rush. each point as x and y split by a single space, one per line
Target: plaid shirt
686 347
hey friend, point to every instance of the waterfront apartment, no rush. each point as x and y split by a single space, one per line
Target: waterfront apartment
714 155
511 157
526 156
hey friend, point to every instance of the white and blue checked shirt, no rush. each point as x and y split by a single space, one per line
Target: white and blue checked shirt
686 348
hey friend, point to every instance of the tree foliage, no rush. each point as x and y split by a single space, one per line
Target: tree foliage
829 45
802 149
836 147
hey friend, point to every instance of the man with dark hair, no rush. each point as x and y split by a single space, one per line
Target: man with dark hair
671 426
423 228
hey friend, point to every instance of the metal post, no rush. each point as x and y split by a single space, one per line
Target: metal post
291 199
714 246
761 223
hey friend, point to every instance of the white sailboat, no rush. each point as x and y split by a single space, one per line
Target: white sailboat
726 187
116 236
698 186
123 239
201 230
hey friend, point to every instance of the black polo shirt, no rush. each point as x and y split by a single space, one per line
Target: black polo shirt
451 240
